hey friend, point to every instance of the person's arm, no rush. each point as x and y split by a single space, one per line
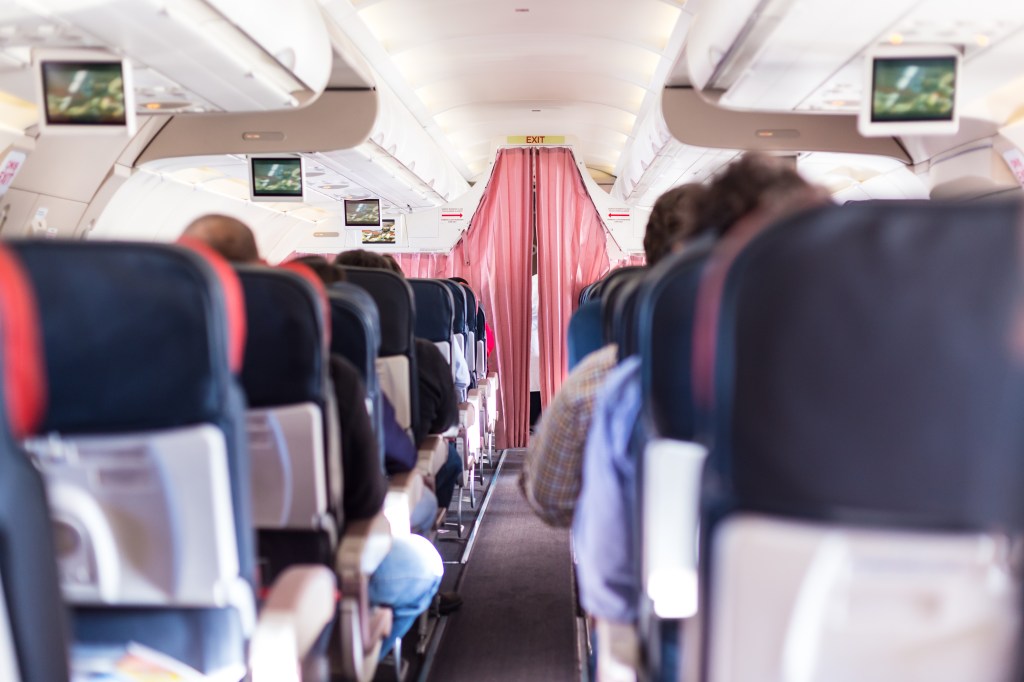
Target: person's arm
399 452
553 467
603 530
438 407
364 483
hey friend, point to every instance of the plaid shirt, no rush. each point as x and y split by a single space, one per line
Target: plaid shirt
553 469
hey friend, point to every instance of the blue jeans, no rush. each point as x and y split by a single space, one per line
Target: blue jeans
422 517
406 581
447 476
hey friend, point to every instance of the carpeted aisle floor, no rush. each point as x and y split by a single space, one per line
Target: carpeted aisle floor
517 620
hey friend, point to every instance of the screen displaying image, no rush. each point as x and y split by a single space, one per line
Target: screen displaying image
84 93
385 235
362 213
913 89
281 177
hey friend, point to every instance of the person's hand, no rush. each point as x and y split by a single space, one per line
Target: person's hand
428 481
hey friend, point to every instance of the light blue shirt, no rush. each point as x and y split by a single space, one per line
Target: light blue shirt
461 372
607 570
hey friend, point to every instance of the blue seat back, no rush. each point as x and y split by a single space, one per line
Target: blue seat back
34 616
144 341
298 505
435 314
356 336
396 307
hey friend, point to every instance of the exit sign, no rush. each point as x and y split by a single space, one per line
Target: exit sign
536 139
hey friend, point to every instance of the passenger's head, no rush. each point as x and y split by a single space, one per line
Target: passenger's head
674 220
361 258
393 264
327 273
757 182
227 236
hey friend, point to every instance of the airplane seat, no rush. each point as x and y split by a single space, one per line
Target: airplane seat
867 391
669 465
292 420
611 294
398 377
145 457
434 315
481 344
33 621
472 334
296 456
355 336
624 315
459 325
469 439
586 293
599 289
585 332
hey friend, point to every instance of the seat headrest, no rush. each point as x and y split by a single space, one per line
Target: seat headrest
434 310
599 289
395 305
23 366
623 329
471 303
150 331
459 299
665 319
869 366
355 333
286 354
613 290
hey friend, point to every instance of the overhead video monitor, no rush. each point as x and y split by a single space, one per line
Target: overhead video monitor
910 90
385 235
84 92
362 212
275 178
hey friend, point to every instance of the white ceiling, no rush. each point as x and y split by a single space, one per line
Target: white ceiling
476 71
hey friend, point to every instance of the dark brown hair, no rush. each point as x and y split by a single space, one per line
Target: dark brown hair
755 180
673 220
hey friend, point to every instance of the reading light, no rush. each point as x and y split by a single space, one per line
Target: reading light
896 39
782 133
982 40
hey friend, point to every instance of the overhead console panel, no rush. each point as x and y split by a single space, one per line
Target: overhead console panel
188 55
694 121
339 119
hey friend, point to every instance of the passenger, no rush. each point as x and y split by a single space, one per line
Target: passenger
227 236
553 468
327 273
439 410
409 576
747 196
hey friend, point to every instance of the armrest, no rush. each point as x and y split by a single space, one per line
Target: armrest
299 607
404 493
618 651
467 415
432 455
364 544
671 509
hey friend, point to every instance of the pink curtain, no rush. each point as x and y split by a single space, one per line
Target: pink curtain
428 265
494 257
571 253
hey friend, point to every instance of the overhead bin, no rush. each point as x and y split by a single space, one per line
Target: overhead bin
190 55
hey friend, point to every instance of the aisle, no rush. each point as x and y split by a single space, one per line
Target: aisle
517 620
